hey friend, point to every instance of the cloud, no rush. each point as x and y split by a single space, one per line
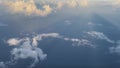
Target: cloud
24 50
72 3
116 2
83 3
99 35
40 7
13 41
94 24
41 36
27 7
2 65
79 42
75 41
116 49
27 47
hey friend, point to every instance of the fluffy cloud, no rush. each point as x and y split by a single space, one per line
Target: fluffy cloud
13 41
27 7
30 7
24 50
99 35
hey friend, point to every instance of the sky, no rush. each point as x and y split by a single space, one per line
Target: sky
28 17
45 8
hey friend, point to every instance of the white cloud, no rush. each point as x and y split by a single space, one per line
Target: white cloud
116 49
28 47
75 41
79 42
13 41
24 50
99 35
41 36
94 24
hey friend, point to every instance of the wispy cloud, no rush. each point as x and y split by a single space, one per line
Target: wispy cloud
116 49
76 41
79 42
99 35
24 48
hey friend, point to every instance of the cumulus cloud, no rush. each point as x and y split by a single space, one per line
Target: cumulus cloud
27 7
30 7
99 35
24 50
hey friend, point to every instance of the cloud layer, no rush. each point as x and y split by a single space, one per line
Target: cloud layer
28 47
24 48
40 7
27 7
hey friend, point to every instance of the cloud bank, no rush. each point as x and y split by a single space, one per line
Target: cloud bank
27 7
30 7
